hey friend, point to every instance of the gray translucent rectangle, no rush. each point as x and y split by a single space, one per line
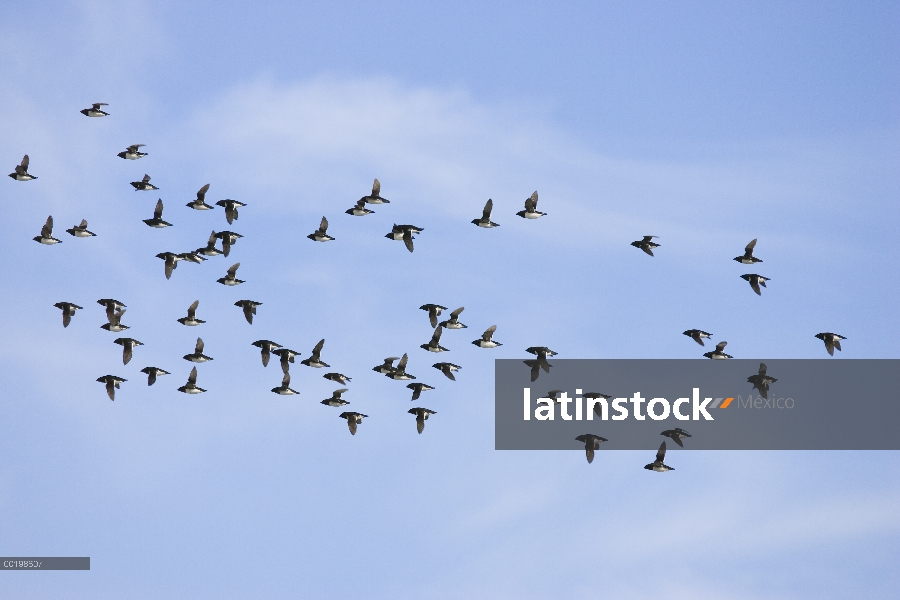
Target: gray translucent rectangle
813 404
45 563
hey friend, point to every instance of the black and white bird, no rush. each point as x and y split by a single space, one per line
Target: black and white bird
453 321
210 248
193 257
21 171
485 220
199 203
542 352
399 373
249 308
144 185
832 341
286 357
447 369
157 220
320 234
646 244
197 356
747 258
68 311
405 233
658 465
387 366
353 419
761 381
229 239
231 209
422 415
315 360
46 236
486 340
153 373
80 230
114 312
698 335
191 318
95 110
132 152
338 378
336 399
591 442
375 196
128 345
718 353
191 386
266 347
285 388
112 384
434 311
231 276
531 211
676 434
434 345
417 389
755 281
359 210
171 261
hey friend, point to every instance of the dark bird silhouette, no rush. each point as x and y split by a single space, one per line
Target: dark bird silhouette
755 281
68 311
171 262
249 308
114 312
337 378
199 203
193 257
210 248
658 465
593 396
95 110
387 366
405 233
191 318
229 239
231 209
531 211
422 415
286 356
157 220
315 360
132 152
128 345
761 381
46 236
21 171
697 335
591 442
153 373
320 235
434 311
542 352
748 258
417 389
144 185
718 353
266 347
676 434
832 341
645 244
447 369
399 373
485 220
112 384
353 419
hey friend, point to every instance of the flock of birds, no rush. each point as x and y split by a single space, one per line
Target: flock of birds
405 233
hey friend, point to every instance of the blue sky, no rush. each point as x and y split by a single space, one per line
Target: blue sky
707 125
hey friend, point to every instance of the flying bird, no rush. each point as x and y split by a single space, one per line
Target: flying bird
337 378
542 352
157 220
375 197
144 184
453 321
46 236
422 415
191 318
591 442
191 386
286 356
531 211
68 311
320 235
832 341
112 384
434 311
434 345
21 171
486 340
417 389
359 210
199 203
718 353
697 335
285 388
399 373
593 396
171 261
336 399
314 360
387 367
80 230
132 152
761 381
229 238
266 347
485 220
748 258
447 369
231 209
231 276
197 356
153 373
405 233
194 257
755 281
114 312
128 345
676 434
658 465
210 248
249 308
353 419
645 244
95 110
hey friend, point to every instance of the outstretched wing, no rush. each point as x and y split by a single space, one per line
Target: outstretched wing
749 248
408 239
232 270
201 193
157 213
47 229
192 309
146 178
376 188
323 226
455 314
24 163
488 333
661 453
192 378
318 348
402 364
488 206
198 348
721 346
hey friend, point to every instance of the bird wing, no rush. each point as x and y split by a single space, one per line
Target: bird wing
110 389
146 178
488 206
376 188
661 453
529 204
436 337
749 248
401 366
323 226
721 346
192 309
201 193
157 213
647 249
534 200
198 347
83 224
762 368
455 314
126 353
248 312
445 369
232 270
24 163
192 378
318 349
286 380
488 333
433 315
47 229
754 283
408 239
